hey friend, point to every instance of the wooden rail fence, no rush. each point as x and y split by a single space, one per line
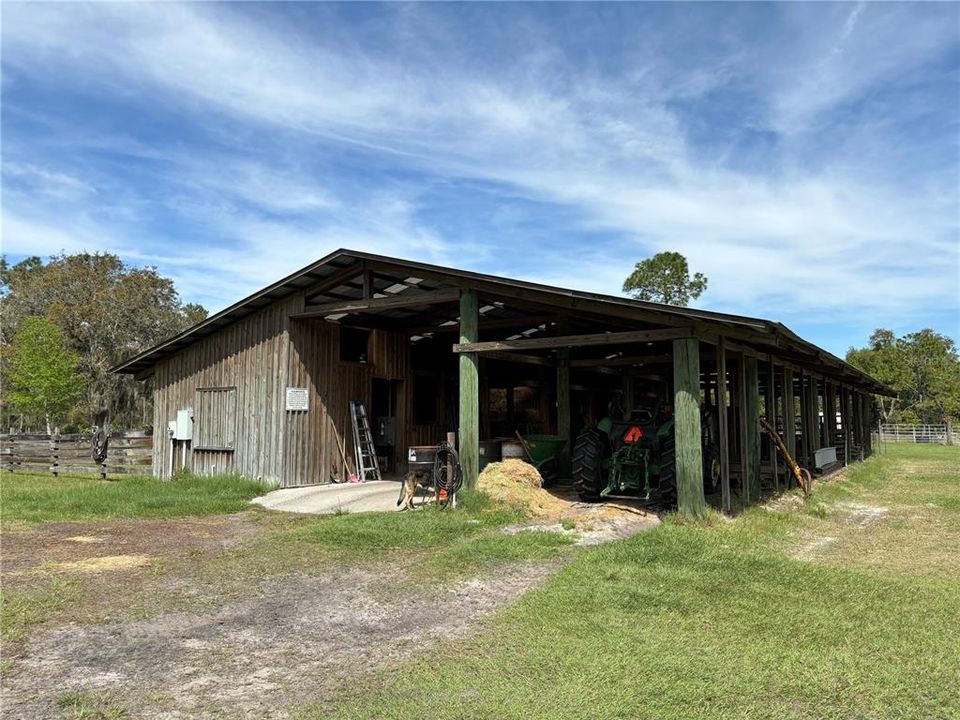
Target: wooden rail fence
68 454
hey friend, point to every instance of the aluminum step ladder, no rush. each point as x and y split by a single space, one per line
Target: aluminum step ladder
363 443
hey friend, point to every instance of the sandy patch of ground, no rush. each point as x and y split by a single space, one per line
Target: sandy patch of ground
28 547
862 516
846 520
97 564
254 657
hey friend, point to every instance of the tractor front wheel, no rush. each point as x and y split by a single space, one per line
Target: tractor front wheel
588 464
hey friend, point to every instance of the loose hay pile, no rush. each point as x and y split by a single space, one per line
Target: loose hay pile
518 484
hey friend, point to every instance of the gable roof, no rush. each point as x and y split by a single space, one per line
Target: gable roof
338 263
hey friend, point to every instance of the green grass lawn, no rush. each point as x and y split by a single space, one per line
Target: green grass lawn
38 498
722 619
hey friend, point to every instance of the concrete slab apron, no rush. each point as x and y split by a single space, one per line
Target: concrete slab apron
327 499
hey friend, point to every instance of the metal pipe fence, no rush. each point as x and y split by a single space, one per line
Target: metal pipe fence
939 434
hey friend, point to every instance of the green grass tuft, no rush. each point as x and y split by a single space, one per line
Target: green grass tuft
80 705
22 610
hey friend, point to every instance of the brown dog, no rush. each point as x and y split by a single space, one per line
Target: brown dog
408 489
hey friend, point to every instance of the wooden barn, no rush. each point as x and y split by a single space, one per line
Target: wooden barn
263 387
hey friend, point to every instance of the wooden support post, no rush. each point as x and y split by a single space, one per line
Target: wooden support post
742 423
544 407
825 439
469 435
789 419
772 417
687 440
846 422
860 425
830 413
722 423
485 430
752 429
563 408
808 431
368 287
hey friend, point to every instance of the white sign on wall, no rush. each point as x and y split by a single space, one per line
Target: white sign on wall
298 399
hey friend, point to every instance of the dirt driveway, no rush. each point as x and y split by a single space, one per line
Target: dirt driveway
191 618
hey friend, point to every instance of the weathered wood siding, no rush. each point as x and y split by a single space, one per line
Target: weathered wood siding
249 355
235 381
311 452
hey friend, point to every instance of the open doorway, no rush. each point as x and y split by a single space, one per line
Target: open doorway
383 411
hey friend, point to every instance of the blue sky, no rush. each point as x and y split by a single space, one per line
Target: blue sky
804 156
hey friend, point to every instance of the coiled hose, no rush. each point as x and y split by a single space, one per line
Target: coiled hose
446 454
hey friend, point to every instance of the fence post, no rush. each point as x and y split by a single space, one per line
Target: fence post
949 432
55 452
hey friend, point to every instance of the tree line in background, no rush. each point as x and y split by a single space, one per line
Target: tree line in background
924 369
65 323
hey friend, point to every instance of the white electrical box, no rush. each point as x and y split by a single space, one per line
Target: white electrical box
183 429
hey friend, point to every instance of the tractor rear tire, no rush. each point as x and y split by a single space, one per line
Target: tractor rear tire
711 469
588 465
668 472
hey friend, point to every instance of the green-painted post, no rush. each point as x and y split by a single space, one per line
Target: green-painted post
687 441
469 438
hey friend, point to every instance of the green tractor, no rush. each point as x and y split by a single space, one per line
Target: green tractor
635 459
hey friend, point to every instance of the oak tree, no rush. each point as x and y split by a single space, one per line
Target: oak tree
108 311
665 278
41 373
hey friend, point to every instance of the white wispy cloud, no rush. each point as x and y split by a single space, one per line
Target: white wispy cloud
613 146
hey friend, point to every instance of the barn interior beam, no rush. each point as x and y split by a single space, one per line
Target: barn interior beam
372 305
567 341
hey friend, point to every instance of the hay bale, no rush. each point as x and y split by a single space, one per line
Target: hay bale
516 483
